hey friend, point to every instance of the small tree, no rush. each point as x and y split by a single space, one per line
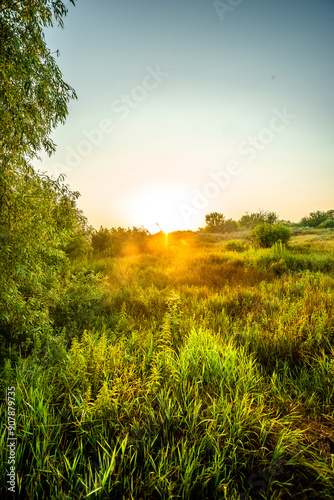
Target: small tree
231 226
266 235
249 221
216 223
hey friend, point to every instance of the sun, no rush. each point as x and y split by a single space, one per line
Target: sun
158 207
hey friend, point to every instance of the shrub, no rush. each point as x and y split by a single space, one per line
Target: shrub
236 246
78 246
326 224
266 235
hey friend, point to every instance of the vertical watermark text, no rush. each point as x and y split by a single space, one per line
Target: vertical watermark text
11 439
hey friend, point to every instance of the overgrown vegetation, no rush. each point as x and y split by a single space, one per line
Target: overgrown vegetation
266 235
188 365
319 219
217 223
197 370
38 214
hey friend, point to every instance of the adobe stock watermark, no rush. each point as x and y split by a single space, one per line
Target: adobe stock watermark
122 107
222 8
249 148
11 439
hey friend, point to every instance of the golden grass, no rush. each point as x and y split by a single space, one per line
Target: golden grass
205 373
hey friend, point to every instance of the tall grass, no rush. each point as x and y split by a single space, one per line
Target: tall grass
206 372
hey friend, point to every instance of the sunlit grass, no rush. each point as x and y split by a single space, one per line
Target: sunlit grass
207 372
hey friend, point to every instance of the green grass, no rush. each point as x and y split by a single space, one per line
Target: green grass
205 372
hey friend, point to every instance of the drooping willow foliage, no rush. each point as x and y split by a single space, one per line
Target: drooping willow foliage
38 214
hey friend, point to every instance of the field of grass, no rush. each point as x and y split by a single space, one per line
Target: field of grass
205 371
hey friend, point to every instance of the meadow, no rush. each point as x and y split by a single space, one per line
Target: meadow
200 368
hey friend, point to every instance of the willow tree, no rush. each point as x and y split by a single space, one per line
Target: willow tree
37 213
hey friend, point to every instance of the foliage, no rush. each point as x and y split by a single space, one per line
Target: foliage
37 213
34 96
79 302
266 235
114 241
236 246
216 223
32 260
79 243
216 383
204 367
210 385
101 240
318 218
249 221
328 223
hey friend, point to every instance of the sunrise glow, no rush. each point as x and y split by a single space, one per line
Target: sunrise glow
157 207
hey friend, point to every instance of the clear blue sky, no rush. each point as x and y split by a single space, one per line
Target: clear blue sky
190 106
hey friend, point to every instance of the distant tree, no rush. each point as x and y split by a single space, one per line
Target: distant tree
101 240
139 236
284 222
216 223
249 221
329 223
112 241
231 226
314 219
266 235
78 245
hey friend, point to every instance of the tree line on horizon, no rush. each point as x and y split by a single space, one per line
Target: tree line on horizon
217 223
112 241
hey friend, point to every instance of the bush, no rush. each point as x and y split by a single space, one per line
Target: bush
266 235
78 246
327 224
236 246
79 303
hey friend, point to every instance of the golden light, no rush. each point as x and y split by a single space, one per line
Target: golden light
157 207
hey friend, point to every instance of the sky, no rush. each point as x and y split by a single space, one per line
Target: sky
187 107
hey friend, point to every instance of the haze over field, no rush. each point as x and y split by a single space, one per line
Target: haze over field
189 107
